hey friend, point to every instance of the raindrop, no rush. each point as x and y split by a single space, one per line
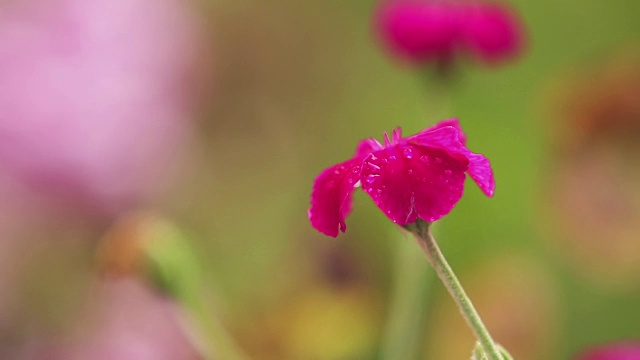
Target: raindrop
374 166
408 152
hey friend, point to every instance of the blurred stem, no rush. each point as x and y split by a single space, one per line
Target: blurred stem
422 233
439 86
210 336
406 324
173 267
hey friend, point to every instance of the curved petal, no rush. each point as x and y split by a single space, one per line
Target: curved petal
448 138
481 172
366 147
453 122
331 197
409 182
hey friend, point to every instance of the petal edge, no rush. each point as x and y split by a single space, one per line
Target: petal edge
331 198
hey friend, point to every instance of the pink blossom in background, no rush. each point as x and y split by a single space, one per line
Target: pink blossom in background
125 320
620 351
418 31
95 97
491 32
425 31
420 176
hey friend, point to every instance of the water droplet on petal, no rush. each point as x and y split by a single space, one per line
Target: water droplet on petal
370 179
447 172
373 166
410 171
408 152
438 160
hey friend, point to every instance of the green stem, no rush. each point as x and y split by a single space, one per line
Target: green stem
422 233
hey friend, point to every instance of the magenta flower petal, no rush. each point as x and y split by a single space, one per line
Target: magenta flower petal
366 147
453 122
409 182
331 198
492 32
418 31
620 351
448 137
417 177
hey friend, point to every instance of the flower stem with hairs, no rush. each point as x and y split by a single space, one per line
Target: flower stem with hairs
422 233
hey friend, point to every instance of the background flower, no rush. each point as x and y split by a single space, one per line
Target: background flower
422 32
123 320
95 101
614 351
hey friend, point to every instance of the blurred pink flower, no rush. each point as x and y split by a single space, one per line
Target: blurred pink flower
124 321
620 351
491 32
418 31
420 176
422 31
94 96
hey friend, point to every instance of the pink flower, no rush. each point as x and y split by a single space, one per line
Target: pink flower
620 351
124 320
94 97
424 31
420 176
418 31
491 32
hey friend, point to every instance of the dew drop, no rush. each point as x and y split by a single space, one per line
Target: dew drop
408 152
392 158
447 172
373 166
410 171
438 160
